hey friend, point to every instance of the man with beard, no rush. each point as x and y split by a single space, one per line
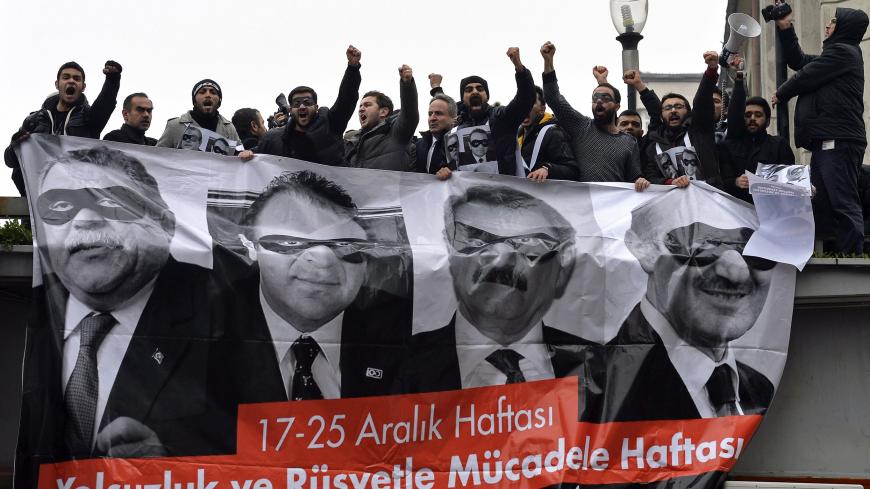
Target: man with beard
672 358
502 120
315 329
117 357
430 148
384 136
748 142
542 147
136 111
510 255
684 134
250 126
315 133
68 113
602 152
829 119
207 97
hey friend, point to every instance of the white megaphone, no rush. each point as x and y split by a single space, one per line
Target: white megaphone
743 27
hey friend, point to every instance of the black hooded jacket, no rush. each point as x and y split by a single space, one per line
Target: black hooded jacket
830 86
83 120
322 140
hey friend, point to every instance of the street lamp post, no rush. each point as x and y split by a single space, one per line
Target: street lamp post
629 17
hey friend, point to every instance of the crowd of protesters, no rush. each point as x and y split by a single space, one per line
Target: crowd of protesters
684 141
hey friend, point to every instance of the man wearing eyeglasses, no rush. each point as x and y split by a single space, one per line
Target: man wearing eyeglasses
316 133
673 355
122 329
319 328
681 147
601 151
510 255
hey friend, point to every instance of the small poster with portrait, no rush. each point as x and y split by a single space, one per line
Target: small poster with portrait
678 161
776 179
472 149
197 138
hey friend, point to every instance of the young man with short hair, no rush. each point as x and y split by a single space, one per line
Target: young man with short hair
67 112
137 112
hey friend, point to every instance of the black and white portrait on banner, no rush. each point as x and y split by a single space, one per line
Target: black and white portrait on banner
680 349
169 294
327 305
117 306
489 315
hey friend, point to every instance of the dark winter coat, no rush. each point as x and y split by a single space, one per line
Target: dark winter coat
83 120
743 151
555 152
503 121
322 141
386 146
421 154
128 134
700 126
830 86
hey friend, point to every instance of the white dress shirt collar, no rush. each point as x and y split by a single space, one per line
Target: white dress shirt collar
327 336
694 366
472 348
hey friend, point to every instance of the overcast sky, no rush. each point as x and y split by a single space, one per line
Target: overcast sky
257 49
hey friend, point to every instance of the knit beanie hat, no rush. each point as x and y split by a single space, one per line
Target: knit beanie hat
472 79
208 82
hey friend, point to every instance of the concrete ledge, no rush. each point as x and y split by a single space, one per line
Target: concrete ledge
834 281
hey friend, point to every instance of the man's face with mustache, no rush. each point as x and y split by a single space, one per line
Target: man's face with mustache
710 292
475 97
674 112
112 242
309 272
604 106
756 120
70 84
505 264
207 100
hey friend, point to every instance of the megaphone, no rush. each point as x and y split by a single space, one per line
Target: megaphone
743 27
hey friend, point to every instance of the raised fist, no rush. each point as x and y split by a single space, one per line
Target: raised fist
112 67
548 50
353 55
600 73
632 77
711 58
514 55
435 80
406 73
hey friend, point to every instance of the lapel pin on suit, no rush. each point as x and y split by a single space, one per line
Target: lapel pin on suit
374 373
158 356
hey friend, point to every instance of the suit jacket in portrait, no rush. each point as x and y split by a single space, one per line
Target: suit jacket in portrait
175 393
432 363
641 383
374 333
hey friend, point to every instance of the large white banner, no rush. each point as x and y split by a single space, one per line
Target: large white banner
278 323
